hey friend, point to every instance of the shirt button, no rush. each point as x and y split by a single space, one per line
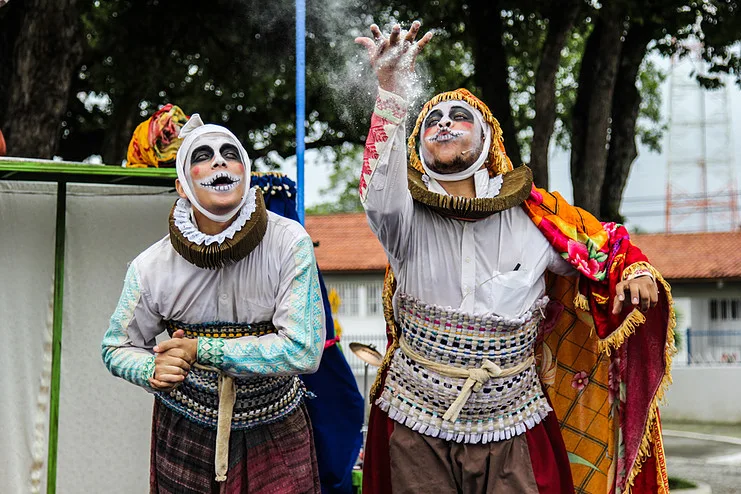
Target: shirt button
224 296
468 259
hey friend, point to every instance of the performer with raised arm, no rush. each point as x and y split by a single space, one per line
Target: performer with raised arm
515 362
236 288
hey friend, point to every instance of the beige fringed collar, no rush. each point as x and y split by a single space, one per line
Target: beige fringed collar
231 250
516 186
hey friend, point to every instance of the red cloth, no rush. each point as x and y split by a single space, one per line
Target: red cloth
548 457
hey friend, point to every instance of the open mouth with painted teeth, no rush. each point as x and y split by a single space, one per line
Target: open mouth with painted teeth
221 181
445 135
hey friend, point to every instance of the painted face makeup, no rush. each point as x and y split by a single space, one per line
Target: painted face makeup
213 169
448 121
454 138
208 165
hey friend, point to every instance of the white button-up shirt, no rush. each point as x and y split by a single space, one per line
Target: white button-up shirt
276 282
493 265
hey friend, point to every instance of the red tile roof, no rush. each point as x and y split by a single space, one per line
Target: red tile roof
347 244
693 256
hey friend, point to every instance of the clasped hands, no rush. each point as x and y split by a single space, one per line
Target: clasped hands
172 361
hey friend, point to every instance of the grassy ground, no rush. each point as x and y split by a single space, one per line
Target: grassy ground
732 430
680 484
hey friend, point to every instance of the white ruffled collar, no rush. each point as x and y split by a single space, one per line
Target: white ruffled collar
184 221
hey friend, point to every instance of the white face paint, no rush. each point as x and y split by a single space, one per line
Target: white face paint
454 141
216 149
453 120
213 169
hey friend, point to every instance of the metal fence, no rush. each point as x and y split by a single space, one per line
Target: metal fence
711 346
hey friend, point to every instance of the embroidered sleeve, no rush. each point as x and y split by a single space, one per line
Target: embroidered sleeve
383 179
299 318
127 345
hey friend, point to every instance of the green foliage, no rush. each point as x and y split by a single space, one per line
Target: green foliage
650 127
677 483
343 181
233 62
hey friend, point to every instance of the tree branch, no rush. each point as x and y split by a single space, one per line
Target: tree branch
560 24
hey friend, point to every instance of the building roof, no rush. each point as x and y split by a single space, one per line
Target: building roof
693 256
347 244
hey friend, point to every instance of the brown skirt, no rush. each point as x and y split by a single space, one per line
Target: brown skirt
276 458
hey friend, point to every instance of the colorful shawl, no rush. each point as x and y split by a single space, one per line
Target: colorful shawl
605 374
155 141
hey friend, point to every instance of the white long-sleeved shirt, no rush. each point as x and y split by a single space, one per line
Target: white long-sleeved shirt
277 281
494 265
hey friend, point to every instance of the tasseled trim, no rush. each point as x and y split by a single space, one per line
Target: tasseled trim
626 328
524 424
516 187
653 415
580 301
631 270
389 283
215 256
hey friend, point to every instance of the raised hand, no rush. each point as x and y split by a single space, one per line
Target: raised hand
393 57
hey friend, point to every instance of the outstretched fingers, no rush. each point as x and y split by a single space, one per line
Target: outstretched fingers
412 33
395 32
369 45
425 39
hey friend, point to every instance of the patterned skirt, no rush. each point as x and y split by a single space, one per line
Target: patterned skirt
277 458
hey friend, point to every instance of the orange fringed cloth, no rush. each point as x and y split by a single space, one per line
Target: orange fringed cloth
605 374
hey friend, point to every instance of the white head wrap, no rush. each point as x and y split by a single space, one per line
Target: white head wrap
468 172
191 133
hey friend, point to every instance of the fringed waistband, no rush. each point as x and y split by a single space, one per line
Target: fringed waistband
464 377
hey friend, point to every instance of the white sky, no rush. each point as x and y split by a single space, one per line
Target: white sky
648 175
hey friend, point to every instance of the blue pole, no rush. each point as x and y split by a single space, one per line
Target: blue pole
300 103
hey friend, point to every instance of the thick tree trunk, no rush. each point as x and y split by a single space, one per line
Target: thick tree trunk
11 18
593 108
490 60
559 26
626 103
47 52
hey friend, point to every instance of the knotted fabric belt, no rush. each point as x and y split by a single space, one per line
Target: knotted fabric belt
475 377
243 402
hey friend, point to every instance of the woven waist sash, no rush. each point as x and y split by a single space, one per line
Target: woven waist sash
216 400
463 377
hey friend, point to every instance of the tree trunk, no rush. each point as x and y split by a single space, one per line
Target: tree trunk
11 18
559 26
121 127
490 60
592 109
626 103
47 52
